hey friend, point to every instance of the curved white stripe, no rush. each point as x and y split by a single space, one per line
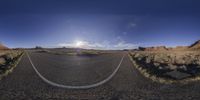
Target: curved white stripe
74 87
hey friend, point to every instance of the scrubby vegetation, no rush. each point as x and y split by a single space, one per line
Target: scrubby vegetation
8 60
161 63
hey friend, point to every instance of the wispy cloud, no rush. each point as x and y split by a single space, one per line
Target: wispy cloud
124 45
131 25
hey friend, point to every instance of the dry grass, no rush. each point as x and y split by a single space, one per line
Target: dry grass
12 58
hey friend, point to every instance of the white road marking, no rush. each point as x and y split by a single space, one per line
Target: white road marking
75 87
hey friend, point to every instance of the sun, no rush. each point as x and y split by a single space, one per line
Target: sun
79 43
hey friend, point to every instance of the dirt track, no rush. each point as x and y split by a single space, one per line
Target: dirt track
127 84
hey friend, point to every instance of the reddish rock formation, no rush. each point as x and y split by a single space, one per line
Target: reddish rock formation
180 48
2 47
195 46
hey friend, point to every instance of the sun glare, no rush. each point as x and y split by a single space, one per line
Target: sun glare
79 43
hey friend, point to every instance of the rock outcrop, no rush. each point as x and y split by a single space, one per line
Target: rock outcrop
2 47
179 48
195 46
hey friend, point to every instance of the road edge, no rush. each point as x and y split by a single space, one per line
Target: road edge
14 65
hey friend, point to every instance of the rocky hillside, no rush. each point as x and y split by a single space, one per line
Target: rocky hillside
195 46
169 64
179 48
3 47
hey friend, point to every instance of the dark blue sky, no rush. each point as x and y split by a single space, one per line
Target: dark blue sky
99 23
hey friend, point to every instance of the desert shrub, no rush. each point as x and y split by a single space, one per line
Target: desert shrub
38 47
2 61
159 63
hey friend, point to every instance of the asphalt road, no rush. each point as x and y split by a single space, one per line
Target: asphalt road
127 84
75 70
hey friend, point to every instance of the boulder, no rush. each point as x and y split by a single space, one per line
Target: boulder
156 64
161 58
172 67
183 67
2 61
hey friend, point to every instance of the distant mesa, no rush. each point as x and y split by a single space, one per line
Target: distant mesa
195 46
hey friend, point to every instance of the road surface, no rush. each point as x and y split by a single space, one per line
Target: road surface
127 84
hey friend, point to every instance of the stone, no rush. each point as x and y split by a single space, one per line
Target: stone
161 68
198 61
2 61
172 67
183 67
9 57
136 55
180 60
156 64
161 58
148 60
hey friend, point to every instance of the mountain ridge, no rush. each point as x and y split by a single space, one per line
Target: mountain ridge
194 46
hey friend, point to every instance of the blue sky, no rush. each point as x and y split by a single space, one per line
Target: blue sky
99 24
